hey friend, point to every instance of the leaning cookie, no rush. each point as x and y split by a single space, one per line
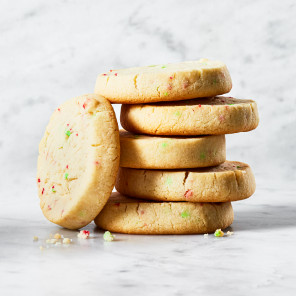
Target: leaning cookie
229 181
148 152
126 215
208 116
169 82
78 161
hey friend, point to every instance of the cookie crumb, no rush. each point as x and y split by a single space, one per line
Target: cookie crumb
41 248
84 234
57 236
206 235
35 238
58 243
108 236
219 233
66 240
229 233
51 241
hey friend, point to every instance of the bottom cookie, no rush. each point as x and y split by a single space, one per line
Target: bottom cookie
126 215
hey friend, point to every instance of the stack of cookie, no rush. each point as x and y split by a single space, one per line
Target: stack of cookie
173 176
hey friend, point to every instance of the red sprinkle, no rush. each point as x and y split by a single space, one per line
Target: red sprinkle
188 194
67 124
76 134
115 74
169 87
38 180
42 191
97 163
104 74
49 207
67 166
199 105
117 204
110 70
84 104
59 109
86 232
171 77
52 186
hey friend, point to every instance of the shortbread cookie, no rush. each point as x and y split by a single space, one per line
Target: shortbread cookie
78 161
170 82
208 116
148 152
126 215
229 181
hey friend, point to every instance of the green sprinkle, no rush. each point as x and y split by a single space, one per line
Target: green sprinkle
169 181
68 133
166 94
185 214
164 145
108 236
157 88
163 67
202 155
177 113
53 190
238 167
66 176
230 104
219 233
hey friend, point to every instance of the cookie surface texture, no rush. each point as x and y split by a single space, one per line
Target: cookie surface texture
229 181
207 116
170 82
148 152
78 161
126 215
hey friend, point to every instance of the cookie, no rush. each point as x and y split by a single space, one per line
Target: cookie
229 181
170 82
78 161
154 152
207 116
126 215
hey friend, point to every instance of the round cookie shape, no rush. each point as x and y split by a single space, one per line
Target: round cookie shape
78 161
169 82
126 215
154 152
229 181
206 116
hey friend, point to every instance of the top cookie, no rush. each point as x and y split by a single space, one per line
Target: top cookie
169 82
78 161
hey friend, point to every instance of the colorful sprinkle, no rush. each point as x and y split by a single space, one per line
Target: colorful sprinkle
219 233
238 167
42 191
59 109
84 105
97 162
68 133
199 105
230 104
185 214
66 176
165 93
108 236
163 67
38 180
76 134
104 74
169 181
177 113
110 70
188 194
52 189
171 77
67 166
169 87
49 207
116 74
164 145
84 234
202 155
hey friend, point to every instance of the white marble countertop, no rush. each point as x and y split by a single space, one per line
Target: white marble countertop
53 50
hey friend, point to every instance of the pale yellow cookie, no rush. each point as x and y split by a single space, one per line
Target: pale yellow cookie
78 161
167 82
229 181
208 116
126 215
154 152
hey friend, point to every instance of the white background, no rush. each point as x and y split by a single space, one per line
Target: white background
51 51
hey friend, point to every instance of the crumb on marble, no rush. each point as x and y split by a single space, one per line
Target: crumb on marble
35 238
219 233
41 248
66 240
84 234
229 233
51 241
57 236
206 235
108 236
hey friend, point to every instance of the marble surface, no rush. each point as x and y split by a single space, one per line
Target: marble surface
53 50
